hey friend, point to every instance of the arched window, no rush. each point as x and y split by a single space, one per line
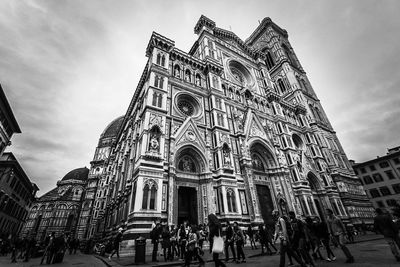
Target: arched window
188 76
154 103
310 204
159 100
230 194
211 49
269 60
163 61
158 59
146 190
282 86
149 196
158 81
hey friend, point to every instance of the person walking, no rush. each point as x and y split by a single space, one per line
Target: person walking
322 233
229 243
239 239
384 225
300 238
250 233
174 242
166 243
116 243
263 239
338 230
281 233
314 240
182 240
214 228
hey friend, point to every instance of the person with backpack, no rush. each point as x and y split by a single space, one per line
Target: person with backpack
182 240
337 230
300 238
229 242
283 231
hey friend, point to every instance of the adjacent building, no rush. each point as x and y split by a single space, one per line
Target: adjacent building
17 192
58 210
231 127
381 178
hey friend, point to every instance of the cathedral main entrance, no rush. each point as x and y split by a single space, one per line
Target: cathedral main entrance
266 203
187 205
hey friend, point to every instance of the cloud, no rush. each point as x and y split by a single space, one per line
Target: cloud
70 67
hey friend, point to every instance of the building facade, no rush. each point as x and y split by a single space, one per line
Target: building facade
95 197
381 179
16 190
17 193
58 210
233 128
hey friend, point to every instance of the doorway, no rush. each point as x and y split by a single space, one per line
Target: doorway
187 205
266 204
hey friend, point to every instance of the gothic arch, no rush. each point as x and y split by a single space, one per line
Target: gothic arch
262 156
190 159
314 182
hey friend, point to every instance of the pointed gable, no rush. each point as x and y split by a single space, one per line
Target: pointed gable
188 133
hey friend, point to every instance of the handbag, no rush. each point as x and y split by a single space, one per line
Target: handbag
218 244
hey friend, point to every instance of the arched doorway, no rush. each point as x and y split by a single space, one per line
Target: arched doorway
262 161
190 164
315 187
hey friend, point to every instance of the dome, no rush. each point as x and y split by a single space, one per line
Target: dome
113 128
77 174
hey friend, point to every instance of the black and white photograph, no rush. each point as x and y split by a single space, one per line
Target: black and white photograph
203 133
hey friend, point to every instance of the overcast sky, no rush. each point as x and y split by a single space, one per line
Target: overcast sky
69 68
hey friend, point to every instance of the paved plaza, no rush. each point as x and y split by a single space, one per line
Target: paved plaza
78 260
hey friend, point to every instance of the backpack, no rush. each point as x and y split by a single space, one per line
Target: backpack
288 225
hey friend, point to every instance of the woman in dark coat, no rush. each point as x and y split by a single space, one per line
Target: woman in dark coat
214 227
166 243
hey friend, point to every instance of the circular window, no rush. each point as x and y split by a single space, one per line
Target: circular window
240 73
187 105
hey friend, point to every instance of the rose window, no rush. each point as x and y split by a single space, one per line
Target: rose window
187 105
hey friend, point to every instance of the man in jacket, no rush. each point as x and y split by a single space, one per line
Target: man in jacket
337 230
229 242
384 225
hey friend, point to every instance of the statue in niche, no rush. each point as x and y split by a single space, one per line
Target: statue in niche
198 80
154 144
227 157
176 73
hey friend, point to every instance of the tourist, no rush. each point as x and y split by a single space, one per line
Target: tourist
155 235
166 242
263 238
314 240
239 239
268 240
337 231
299 238
116 243
322 233
202 235
250 233
214 228
174 242
384 225
182 240
229 242
281 233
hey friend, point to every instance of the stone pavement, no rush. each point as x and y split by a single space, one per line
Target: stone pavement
79 260
360 247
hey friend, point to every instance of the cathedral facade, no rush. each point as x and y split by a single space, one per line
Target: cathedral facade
233 128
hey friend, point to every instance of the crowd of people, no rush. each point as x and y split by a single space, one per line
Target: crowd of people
52 248
299 239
